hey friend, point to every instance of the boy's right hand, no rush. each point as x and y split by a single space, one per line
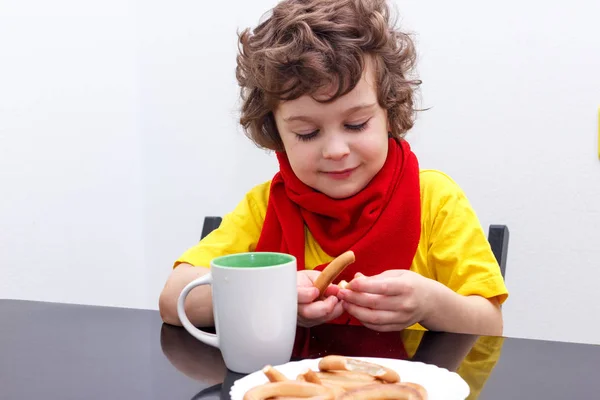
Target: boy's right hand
311 312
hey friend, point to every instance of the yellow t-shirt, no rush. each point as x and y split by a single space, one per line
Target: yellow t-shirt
453 248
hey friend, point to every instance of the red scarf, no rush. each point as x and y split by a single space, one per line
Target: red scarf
381 223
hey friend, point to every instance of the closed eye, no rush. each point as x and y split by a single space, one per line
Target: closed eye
307 136
357 127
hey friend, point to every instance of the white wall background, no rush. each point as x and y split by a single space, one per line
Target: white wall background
118 134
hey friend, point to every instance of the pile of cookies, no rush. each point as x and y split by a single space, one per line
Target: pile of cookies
338 378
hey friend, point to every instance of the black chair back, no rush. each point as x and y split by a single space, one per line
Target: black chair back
498 237
210 224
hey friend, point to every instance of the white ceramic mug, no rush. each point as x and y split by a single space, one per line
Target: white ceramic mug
255 304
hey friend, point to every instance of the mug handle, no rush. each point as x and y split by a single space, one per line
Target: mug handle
208 338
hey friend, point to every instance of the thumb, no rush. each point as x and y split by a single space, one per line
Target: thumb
307 294
395 273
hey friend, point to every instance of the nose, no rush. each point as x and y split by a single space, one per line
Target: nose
335 147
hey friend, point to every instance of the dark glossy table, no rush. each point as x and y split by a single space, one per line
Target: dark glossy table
57 351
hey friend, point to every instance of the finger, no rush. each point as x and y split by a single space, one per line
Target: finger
368 300
318 309
332 290
311 274
378 285
387 328
337 311
307 294
372 317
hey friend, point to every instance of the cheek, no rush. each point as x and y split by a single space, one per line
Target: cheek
374 147
293 151
377 155
301 159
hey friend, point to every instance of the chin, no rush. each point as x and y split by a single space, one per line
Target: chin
341 192
340 196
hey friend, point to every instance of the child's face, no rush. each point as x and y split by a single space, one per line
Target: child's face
336 148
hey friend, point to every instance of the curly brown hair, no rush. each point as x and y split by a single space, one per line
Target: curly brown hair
306 45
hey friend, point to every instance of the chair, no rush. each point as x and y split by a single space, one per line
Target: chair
210 224
497 236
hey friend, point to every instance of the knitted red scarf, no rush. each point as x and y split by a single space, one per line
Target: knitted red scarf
381 223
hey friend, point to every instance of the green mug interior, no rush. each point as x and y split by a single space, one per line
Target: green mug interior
252 260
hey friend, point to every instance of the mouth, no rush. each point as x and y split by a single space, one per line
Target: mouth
340 174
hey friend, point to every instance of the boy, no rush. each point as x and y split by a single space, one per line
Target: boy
325 84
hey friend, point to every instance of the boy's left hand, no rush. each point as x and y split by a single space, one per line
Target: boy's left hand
390 301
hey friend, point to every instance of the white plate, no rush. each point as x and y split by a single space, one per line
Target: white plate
440 383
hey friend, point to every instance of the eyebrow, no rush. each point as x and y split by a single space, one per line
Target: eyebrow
347 112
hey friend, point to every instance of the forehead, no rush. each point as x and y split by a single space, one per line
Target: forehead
365 91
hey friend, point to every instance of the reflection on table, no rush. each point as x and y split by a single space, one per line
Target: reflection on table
472 357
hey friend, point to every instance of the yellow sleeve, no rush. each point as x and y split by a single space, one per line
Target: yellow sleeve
459 251
239 231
